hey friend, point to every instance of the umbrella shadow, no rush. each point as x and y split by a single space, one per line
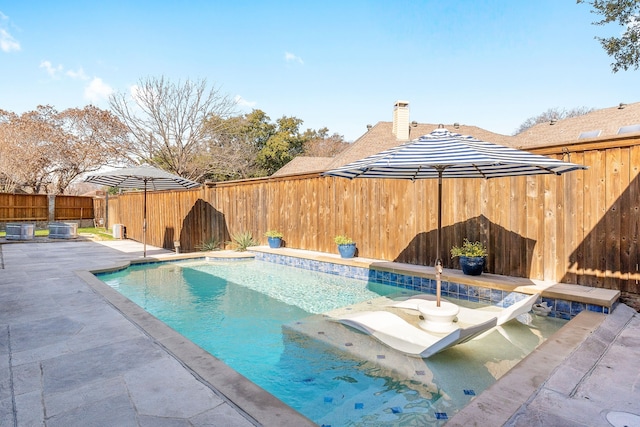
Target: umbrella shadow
202 224
509 253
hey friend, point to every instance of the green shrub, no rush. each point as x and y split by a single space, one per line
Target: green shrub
342 240
469 249
274 233
212 244
241 241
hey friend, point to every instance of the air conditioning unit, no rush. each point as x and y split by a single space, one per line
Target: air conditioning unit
119 231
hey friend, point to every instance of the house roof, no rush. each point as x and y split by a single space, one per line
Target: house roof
602 123
597 124
303 164
380 138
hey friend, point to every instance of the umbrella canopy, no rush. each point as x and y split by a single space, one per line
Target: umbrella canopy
145 177
442 154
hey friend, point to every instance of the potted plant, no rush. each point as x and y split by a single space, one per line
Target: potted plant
275 238
346 246
472 256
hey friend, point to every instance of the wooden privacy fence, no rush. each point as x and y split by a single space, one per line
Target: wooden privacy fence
23 207
42 207
73 208
581 227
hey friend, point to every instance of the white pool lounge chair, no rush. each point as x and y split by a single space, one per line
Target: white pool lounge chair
398 334
473 316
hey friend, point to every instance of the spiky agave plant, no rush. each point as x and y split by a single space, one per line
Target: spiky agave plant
242 240
212 244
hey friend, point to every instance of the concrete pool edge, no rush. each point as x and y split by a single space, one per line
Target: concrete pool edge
256 404
504 401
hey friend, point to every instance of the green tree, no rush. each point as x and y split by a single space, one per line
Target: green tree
283 146
259 128
251 145
624 49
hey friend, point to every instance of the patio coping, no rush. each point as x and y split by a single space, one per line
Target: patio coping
246 396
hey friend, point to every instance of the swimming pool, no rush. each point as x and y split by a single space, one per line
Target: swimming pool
264 321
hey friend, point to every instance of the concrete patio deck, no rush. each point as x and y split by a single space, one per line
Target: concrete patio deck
68 357
76 353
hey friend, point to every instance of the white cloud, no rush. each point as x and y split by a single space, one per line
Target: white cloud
243 102
77 74
97 90
50 69
291 57
7 42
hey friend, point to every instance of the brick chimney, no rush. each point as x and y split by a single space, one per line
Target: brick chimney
401 120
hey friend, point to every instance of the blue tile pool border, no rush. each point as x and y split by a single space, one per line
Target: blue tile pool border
560 308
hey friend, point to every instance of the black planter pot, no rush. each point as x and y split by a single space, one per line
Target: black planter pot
472 265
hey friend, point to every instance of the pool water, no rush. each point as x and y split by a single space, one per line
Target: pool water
264 320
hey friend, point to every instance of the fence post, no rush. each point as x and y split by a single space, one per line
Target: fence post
52 207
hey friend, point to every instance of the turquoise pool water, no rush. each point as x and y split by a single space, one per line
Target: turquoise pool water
264 321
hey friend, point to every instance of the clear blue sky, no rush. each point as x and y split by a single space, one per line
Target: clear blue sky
340 64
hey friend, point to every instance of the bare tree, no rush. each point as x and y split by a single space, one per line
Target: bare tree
166 121
90 138
231 148
552 114
321 144
44 150
25 143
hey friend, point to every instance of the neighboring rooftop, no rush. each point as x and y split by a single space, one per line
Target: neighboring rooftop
303 164
380 137
623 119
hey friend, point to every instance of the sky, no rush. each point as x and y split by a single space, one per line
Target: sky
336 64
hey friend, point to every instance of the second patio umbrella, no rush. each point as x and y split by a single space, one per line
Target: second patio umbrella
442 154
142 177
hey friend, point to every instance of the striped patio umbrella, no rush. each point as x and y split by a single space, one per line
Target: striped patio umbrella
142 177
442 154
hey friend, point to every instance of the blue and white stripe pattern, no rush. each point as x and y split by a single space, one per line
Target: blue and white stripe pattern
140 177
455 156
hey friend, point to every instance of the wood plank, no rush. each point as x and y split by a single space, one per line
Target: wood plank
549 226
518 226
534 219
613 178
633 191
562 256
623 229
599 232
575 200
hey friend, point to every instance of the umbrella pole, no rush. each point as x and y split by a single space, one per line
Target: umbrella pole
144 221
438 238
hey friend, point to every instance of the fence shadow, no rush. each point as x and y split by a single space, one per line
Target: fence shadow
209 221
509 253
608 256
